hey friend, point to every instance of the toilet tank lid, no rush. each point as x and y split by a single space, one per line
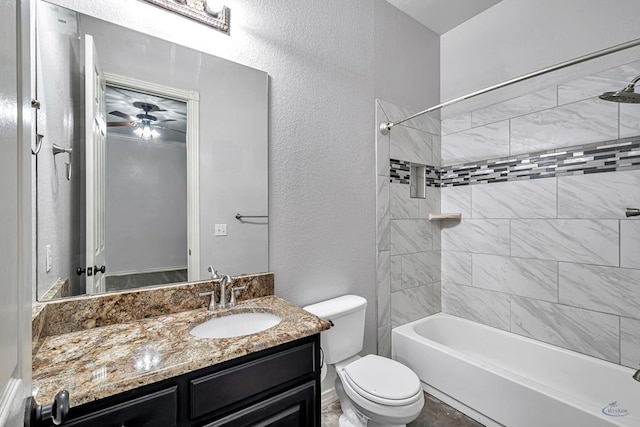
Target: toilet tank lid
337 306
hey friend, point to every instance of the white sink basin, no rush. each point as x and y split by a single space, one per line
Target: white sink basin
235 325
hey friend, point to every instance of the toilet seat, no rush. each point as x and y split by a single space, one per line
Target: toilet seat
383 381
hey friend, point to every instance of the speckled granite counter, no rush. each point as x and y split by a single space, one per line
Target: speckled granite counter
100 362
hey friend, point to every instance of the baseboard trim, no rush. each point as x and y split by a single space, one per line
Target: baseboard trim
328 397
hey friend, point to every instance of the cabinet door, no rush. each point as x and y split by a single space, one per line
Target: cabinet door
292 408
153 410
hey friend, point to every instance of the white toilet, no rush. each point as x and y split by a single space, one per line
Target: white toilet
373 390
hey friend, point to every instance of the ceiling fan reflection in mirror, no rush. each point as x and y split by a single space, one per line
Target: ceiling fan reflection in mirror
145 124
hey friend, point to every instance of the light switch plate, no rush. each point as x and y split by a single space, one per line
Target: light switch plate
221 230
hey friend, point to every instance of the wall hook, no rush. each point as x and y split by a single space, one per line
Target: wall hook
57 149
39 139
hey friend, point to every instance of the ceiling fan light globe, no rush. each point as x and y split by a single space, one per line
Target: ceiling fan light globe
146 133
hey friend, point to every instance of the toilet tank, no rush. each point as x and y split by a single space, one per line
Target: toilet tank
346 336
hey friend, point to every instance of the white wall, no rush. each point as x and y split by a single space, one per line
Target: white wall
321 58
519 36
146 204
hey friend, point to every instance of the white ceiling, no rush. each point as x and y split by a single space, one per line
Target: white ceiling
442 15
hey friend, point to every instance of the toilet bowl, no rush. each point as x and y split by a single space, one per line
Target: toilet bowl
373 390
384 392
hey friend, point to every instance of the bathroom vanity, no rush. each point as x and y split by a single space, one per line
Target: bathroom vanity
277 386
129 359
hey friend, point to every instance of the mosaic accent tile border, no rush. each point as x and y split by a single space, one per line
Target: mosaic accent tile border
608 156
400 172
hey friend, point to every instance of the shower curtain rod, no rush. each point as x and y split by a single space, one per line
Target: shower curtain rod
385 127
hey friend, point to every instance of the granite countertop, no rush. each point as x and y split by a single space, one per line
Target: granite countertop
100 362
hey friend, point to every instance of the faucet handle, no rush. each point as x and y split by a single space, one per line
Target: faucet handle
233 302
212 304
214 273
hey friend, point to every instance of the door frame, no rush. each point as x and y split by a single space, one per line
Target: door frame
13 393
192 99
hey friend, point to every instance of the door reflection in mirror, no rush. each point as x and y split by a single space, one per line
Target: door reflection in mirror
146 190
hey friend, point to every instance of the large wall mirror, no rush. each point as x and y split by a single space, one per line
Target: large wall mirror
146 152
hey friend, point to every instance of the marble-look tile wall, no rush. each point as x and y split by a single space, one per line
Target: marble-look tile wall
408 244
554 259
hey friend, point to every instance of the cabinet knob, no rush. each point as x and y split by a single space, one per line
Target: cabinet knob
57 411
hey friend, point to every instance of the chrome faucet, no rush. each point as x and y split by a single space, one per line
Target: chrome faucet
636 376
226 280
214 276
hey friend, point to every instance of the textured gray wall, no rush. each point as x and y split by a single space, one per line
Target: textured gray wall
58 121
325 69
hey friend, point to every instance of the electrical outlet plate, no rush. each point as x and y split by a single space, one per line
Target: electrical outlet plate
221 229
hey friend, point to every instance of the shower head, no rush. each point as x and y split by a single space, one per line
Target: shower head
626 95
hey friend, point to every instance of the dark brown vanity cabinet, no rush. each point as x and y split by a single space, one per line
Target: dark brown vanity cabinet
279 386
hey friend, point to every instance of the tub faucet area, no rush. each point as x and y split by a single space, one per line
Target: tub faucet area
636 376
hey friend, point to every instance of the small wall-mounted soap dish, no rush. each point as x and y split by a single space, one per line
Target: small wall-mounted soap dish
441 216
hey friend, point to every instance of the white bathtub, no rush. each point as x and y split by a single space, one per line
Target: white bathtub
503 379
